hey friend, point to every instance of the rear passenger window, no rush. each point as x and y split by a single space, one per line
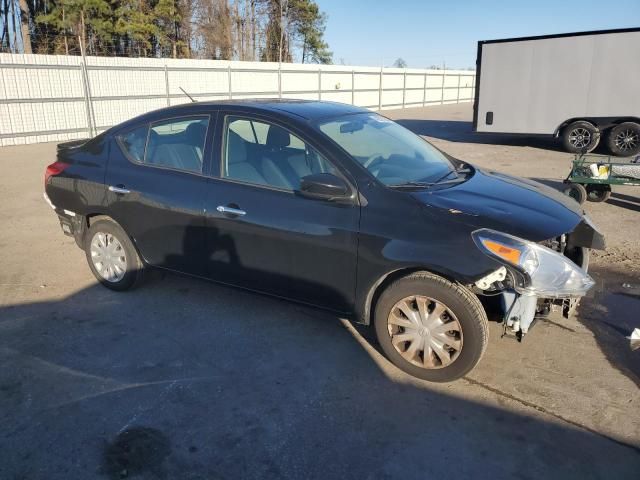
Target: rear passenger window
134 143
177 143
266 154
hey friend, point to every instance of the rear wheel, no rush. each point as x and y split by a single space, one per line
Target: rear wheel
598 193
580 137
624 139
431 328
112 258
577 192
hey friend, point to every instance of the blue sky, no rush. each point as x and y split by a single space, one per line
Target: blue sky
427 32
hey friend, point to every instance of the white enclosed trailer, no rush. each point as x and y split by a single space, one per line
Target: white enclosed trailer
581 87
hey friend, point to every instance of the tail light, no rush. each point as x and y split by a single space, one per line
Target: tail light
56 168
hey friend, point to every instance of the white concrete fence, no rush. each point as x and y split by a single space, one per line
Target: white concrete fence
46 98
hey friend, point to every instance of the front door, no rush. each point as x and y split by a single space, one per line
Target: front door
261 234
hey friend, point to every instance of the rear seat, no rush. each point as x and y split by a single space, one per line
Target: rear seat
183 156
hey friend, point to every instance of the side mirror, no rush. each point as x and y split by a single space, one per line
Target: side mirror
323 186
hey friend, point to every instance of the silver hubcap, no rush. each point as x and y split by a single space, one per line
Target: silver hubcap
425 332
108 257
580 137
627 140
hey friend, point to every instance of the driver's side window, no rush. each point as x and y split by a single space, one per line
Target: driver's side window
264 153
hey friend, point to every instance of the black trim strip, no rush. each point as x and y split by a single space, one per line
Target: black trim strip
476 101
562 35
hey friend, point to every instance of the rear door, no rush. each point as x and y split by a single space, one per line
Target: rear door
260 233
156 186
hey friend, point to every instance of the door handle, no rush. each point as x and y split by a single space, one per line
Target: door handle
231 211
119 190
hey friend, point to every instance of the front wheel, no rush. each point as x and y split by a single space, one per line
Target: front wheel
112 258
431 328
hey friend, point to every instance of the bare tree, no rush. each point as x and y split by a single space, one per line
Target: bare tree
24 27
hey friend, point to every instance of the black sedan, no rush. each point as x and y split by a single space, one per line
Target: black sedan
330 205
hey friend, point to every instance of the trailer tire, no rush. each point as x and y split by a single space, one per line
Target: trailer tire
624 140
577 192
598 193
580 137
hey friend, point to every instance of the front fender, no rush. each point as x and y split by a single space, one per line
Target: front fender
447 250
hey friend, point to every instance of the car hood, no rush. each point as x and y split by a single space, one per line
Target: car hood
509 204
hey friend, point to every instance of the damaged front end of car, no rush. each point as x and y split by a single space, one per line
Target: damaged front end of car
535 277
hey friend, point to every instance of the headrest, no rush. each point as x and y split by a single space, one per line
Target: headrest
196 132
277 137
153 136
236 148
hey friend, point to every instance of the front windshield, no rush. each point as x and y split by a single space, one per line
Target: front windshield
390 152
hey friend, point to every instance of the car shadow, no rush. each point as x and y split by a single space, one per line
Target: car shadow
185 379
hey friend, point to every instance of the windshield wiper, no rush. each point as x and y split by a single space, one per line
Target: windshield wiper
410 184
443 177
441 181
464 168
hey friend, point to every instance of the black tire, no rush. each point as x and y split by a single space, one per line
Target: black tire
461 302
580 137
624 140
133 271
577 192
598 193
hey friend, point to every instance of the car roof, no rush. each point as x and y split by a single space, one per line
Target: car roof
301 110
307 109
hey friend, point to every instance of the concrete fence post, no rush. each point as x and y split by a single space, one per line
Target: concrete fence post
424 90
87 97
380 90
353 87
458 91
319 84
166 84
404 86
229 77
444 76
473 87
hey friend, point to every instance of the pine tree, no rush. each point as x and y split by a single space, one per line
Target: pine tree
135 27
309 25
168 20
84 20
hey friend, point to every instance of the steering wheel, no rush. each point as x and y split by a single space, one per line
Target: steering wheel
372 159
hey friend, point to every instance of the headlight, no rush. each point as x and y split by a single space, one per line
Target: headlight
547 273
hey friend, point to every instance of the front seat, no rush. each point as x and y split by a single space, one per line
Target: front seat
238 166
274 165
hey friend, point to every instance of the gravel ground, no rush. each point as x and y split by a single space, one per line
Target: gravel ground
186 379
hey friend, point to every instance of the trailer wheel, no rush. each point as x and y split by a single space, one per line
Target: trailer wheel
598 193
577 192
580 137
624 140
